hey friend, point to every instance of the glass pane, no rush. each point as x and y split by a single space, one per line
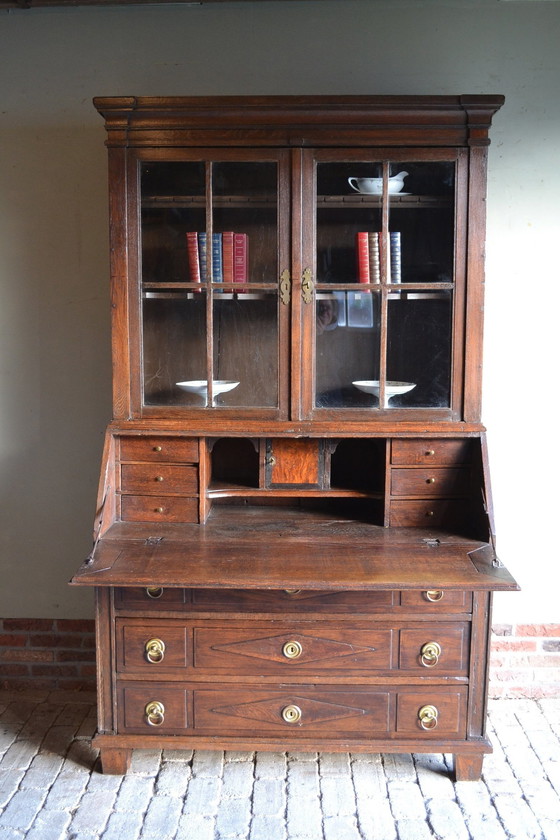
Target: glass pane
422 222
174 341
419 350
173 201
246 349
245 223
347 347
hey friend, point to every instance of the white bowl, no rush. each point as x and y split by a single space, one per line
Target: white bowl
200 386
392 389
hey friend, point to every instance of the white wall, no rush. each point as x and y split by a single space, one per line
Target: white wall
54 313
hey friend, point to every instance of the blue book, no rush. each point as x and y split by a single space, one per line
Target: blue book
202 255
217 260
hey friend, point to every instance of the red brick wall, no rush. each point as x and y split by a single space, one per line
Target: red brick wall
59 653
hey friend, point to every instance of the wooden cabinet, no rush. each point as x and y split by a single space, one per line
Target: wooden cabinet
294 544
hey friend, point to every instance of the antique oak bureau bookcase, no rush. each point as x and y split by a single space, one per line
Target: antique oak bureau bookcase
294 541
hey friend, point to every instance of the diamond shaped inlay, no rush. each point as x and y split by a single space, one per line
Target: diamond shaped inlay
270 709
314 648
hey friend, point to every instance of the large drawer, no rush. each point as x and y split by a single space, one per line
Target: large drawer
429 481
159 479
158 449
415 451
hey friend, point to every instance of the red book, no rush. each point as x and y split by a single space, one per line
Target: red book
240 258
192 252
227 258
362 253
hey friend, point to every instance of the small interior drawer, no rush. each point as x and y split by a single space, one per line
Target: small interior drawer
159 509
427 513
155 448
159 479
437 481
415 452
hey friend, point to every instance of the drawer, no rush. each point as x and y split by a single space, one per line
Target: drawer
159 479
152 598
414 452
152 709
424 513
154 647
152 448
427 481
432 713
268 649
158 509
435 648
438 600
294 711
292 600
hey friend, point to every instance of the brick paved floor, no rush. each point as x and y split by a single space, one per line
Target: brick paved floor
50 790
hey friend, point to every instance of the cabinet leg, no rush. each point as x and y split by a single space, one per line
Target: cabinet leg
468 767
115 761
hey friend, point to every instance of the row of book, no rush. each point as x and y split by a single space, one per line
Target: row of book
229 253
369 256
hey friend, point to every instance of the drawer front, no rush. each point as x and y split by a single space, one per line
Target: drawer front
294 711
438 600
158 449
437 648
158 509
159 479
292 600
438 452
439 481
424 513
150 598
266 649
152 709
153 648
432 713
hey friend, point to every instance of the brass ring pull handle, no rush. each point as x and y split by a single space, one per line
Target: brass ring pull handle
430 654
154 591
428 717
292 591
155 651
434 595
155 713
291 713
292 650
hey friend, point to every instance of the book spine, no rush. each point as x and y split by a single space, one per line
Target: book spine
362 255
202 252
240 258
192 253
217 270
374 261
395 251
227 258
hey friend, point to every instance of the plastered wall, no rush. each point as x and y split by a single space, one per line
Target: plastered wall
54 310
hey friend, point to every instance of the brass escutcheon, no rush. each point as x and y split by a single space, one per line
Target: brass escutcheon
428 717
292 650
157 448
430 654
434 595
291 713
307 286
285 287
155 651
154 591
155 713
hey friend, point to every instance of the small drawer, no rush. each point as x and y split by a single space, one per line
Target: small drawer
159 479
152 448
292 600
154 647
158 509
151 598
441 600
435 648
432 713
266 649
439 481
415 452
294 711
427 513
152 709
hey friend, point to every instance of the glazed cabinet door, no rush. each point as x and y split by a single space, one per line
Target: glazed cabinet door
385 262
213 251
